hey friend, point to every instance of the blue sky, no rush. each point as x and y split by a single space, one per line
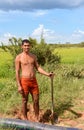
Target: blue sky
60 21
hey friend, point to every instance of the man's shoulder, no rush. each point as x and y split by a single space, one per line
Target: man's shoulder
18 57
33 55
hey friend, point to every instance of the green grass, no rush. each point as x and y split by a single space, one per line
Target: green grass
6 64
73 55
5 57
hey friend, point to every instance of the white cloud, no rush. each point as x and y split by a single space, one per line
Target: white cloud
5 37
47 34
78 34
29 5
40 13
51 36
81 32
38 31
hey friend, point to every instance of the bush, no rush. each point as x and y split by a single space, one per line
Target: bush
73 72
42 51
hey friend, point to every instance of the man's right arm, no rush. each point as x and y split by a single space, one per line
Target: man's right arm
17 69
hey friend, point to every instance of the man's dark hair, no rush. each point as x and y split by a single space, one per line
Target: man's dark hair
25 41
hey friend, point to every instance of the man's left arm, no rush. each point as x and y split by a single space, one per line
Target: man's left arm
42 71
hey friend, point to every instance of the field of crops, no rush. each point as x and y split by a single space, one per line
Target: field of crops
71 55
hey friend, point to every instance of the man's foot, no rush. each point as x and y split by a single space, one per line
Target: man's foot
24 118
37 118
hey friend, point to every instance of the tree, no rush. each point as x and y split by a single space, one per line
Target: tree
13 47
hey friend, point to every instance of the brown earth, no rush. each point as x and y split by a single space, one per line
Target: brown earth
45 117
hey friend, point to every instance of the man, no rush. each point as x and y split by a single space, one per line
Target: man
25 65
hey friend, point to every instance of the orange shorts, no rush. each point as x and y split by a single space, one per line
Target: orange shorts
29 85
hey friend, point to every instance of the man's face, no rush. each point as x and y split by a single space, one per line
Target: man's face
26 47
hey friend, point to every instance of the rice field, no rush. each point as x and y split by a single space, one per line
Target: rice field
72 55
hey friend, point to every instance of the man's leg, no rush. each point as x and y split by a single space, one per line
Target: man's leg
24 106
36 105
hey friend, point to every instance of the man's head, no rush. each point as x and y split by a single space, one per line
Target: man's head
26 45
25 41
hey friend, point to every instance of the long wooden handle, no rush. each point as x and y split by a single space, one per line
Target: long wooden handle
52 98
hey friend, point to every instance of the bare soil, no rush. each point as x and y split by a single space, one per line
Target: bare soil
45 117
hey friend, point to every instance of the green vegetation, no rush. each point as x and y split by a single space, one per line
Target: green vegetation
41 50
68 82
71 55
6 64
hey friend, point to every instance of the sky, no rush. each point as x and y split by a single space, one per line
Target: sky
60 21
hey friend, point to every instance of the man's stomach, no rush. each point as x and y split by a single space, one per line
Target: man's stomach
28 75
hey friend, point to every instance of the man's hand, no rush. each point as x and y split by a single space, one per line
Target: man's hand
51 75
20 90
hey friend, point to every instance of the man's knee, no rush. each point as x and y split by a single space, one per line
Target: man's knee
36 101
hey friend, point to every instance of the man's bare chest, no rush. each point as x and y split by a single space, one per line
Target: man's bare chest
27 61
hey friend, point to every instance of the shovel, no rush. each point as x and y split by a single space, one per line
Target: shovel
52 101
54 116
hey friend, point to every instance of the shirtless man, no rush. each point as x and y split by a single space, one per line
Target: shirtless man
25 65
